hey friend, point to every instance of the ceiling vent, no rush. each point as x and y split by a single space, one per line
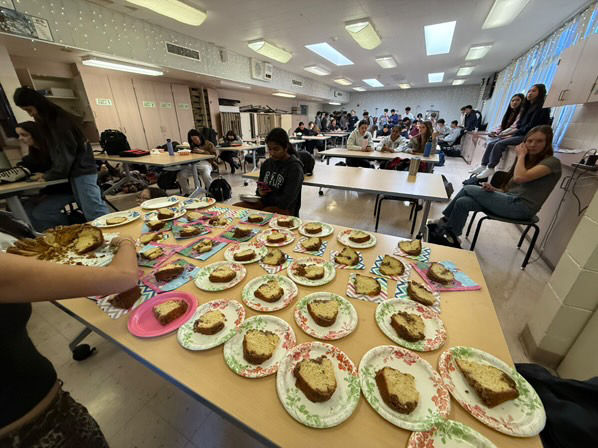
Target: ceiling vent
183 52
260 70
338 94
296 83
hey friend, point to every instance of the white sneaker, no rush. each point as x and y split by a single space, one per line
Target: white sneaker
477 170
486 173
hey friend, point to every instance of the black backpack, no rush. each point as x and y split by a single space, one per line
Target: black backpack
220 190
308 162
114 142
167 180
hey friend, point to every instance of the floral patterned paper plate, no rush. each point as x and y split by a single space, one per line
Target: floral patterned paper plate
156 203
329 271
450 434
327 229
328 413
346 320
233 312
434 331
259 249
202 281
233 348
287 285
434 400
178 212
343 238
264 234
274 223
195 203
521 417
129 215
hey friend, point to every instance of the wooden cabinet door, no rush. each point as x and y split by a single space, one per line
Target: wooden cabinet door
165 105
563 76
101 101
148 109
128 111
184 113
583 83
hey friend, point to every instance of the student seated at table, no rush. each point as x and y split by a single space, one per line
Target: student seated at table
384 132
441 129
69 149
199 145
360 140
150 193
45 209
452 137
392 142
333 127
229 156
417 144
281 177
312 130
528 184
300 129
406 127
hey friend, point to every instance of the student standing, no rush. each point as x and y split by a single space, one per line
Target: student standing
383 119
199 145
318 120
324 122
394 118
353 120
360 140
471 119
408 114
70 151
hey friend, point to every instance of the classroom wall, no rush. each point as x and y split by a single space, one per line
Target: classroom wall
448 100
582 132
275 102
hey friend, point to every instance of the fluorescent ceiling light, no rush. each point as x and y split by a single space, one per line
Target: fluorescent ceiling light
477 52
386 62
364 34
234 85
373 82
435 77
334 103
343 81
121 66
458 82
465 71
174 9
270 51
405 85
327 52
503 12
284 94
439 37
317 70
360 89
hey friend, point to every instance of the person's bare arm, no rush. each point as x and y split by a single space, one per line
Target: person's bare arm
24 279
522 174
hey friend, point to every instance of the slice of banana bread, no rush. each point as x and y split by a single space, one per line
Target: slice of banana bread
244 255
222 274
439 273
347 256
492 385
391 266
315 378
398 390
367 285
209 323
169 310
312 244
269 292
408 326
413 247
323 312
421 294
259 346
357 236
274 257
169 272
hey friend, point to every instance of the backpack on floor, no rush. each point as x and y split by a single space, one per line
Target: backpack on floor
114 142
167 180
220 190
441 159
308 162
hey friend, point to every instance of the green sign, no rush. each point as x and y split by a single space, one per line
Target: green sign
149 104
184 106
103 101
166 105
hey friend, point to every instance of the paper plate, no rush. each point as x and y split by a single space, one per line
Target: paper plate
447 435
434 331
325 414
327 229
143 323
259 248
345 324
329 271
252 198
253 302
233 312
521 417
233 348
129 215
263 237
202 281
343 238
156 203
434 400
195 203
274 224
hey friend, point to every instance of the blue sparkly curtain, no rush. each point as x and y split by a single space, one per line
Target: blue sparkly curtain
539 65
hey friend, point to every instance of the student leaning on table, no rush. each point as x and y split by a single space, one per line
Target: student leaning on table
360 140
199 145
393 142
229 156
34 409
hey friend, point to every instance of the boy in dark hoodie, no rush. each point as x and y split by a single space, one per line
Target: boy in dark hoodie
281 177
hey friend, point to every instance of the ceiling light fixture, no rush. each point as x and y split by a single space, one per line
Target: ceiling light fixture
477 52
435 77
92 61
284 94
234 85
458 82
364 33
405 85
503 12
174 9
317 70
373 82
325 51
334 103
270 51
343 81
360 89
465 71
386 62
439 37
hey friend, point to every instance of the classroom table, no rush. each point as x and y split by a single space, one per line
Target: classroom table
427 187
469 318
344 153
342 134
320 138
163 160
252 148
10 193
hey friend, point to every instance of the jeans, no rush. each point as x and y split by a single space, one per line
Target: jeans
229 157
45 212
496 147
475 199
89 196
204 169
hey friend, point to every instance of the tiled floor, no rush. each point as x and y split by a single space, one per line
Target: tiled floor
137 408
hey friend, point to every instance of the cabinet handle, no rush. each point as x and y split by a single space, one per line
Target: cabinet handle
560 95
563 94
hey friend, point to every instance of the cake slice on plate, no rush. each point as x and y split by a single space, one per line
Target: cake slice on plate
413 247
285 221
391 266
312 244
115 220
190 231
242 231
126 299
165 213
439 273
269 292
357 236
274 257
276 238
259 346
312 228
222 274
169 310
310 271
347 256
148 238
397 389
367 285
152 254
492 385
323 312
169 272
408 326
209 323
255 218
244 255
203 246
421 294
154 224
315 378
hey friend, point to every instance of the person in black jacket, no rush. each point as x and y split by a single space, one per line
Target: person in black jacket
45 209
281 177
533 114
471 119
69 149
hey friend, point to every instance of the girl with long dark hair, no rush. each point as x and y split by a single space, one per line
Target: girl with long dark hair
229 156
69 149
199 145
417 144
533 113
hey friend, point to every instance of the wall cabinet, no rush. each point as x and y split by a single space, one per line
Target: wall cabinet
101 101
128 112
150 115
184 112
165 106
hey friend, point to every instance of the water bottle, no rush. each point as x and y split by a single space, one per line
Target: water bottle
428 148
169 146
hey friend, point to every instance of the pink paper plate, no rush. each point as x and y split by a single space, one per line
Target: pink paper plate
144 324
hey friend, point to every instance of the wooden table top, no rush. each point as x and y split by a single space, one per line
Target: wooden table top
375 155
240 148
295 141
163 159
469 319
337 133
16 187
426 186
316 137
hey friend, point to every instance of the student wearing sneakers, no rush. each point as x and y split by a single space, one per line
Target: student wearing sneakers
452 137
360 140
393 142
199 145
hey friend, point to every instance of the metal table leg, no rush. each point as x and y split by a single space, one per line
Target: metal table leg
422 227
124 180
18 211
198 188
